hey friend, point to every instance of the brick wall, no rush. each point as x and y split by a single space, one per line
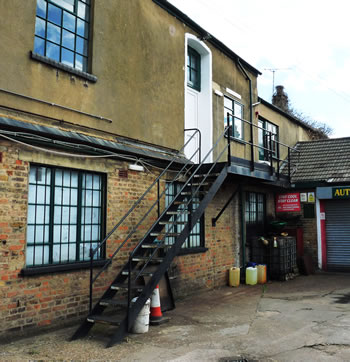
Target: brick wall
210 269
31 302
47 300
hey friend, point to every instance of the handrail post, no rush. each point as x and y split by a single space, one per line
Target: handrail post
271 153
91 277
289 176
229 127
158 193
129 292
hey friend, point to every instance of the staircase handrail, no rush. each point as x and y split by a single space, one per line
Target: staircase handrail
138 201
226 131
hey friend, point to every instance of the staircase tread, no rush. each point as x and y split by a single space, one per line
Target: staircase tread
125 286
115 302
164 233
104 319
155 245
145 272
172 222
145 258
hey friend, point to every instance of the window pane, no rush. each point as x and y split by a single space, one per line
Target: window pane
83 11
80 62
82 28
41 8
68 40
228 103
39 46
66 178
67 4
67 57
96 182
96 198
81 45
41 255
69 21
53 33
73 233
54 14
74 197
30 234
40 27
56 234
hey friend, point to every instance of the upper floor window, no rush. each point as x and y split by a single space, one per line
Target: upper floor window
234 111
268 140
193 69
62 31
65 215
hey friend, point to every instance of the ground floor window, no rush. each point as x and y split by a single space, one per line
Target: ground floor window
255 207
65 215
196 237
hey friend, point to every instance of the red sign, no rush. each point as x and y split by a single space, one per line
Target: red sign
288 202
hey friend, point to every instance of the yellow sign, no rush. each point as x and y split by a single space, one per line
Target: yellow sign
341 192
310 197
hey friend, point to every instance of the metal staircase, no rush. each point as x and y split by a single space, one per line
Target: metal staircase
200 182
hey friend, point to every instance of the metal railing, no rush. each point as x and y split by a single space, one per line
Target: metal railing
272 144
188 164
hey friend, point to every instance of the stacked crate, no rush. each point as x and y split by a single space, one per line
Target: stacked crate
280 257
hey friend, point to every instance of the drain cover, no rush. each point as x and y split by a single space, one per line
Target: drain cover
236 359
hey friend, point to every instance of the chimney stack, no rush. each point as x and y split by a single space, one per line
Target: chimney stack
280 98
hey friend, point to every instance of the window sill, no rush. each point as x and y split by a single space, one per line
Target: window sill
188 251
238 140
66 68
60 268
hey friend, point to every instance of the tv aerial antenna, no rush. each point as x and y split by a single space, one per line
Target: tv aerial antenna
273 71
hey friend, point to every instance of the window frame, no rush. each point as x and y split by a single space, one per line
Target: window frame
193 67
264 154
252 203
84 34
80 260
233 117
197 231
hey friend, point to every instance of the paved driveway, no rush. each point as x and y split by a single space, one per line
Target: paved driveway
305 319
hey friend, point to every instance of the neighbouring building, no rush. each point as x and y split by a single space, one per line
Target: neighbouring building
322 177
98 100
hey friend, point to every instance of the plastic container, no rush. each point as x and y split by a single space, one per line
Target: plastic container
261 274
141 324
234 277
251 276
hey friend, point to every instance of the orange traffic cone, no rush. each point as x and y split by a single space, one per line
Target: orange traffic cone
156 317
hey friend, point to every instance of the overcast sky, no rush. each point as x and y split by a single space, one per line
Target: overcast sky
306 42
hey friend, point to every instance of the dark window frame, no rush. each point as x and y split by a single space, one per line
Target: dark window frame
77 37
197 232
263 140
233 117
253 213
50 204
193 67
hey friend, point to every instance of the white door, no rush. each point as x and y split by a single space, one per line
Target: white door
191 121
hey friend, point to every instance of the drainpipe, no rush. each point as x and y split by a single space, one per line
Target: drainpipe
243 235
250 115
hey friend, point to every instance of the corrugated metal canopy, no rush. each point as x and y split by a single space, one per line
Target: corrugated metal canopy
77 138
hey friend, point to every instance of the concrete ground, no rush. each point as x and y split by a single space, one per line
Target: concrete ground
305 319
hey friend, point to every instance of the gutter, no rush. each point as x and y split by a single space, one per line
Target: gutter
250 114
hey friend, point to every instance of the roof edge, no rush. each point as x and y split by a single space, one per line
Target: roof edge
285 114
173 10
